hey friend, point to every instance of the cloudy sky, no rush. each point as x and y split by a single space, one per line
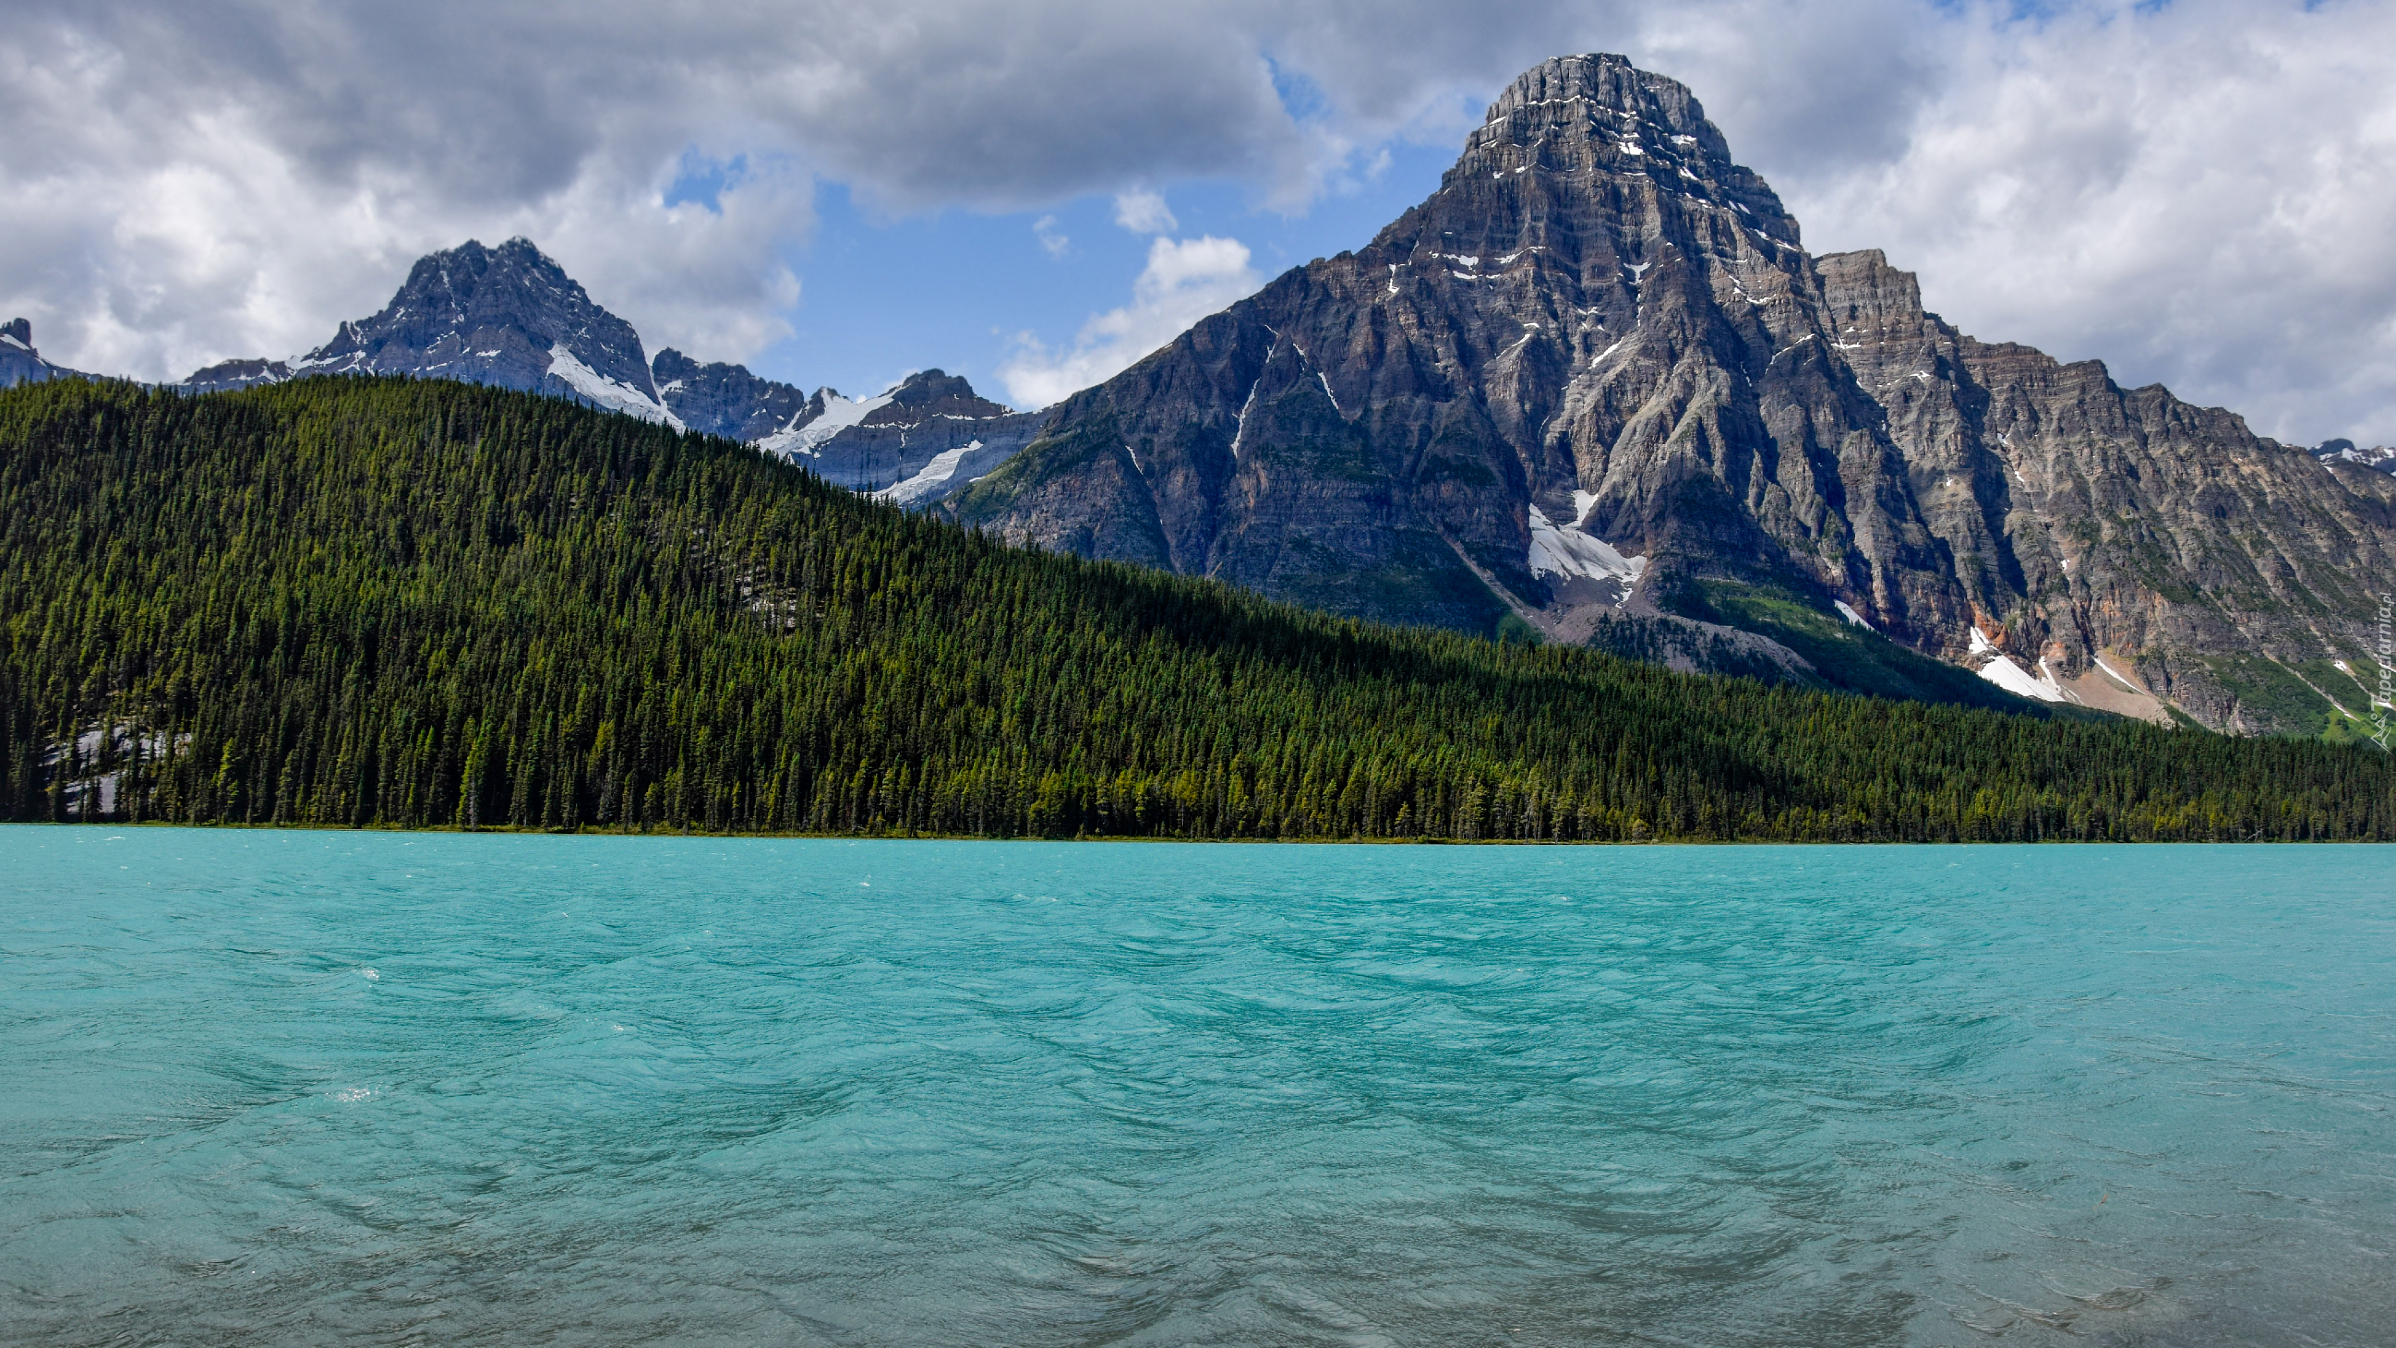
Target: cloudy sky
2199 192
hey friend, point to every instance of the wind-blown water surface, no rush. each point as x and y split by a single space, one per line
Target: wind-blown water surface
312 1087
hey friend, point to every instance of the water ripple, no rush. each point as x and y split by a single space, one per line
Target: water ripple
304 1088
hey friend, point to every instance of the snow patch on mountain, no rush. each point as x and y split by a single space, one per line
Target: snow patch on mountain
838 415
931 478
613 394
1570 552
2134 686
2001 670
2378 458
2011 677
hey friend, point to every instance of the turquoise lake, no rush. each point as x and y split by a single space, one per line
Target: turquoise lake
306 1087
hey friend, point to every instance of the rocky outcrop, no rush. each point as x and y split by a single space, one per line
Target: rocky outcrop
21 363
725 400
1596 375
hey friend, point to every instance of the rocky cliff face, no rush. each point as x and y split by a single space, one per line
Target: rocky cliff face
1595 378
508 316
725 400
914 445
20 363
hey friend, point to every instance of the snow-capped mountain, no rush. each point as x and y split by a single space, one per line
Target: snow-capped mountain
508 316
2378 458
225 376
917 442
511 316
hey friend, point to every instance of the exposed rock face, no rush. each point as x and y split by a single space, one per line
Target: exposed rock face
914 445
508 316
725 400
20 363
1595 369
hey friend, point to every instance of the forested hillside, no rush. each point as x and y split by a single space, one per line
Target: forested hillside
378 601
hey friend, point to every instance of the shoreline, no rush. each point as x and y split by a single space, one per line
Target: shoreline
663 834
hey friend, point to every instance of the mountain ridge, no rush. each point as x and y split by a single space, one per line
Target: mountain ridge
512 318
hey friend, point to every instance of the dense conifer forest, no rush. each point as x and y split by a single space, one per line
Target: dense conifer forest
423 604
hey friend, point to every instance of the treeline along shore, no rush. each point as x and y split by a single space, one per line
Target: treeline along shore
387 602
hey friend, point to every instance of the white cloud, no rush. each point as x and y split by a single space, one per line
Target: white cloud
711 282
2196 194
1143 211
2197 191
1045 230
158 222
1184 281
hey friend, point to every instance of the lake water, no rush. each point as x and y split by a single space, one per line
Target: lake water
282 1088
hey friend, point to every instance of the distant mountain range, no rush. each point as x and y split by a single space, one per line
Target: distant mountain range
1595 389
511 317
2378 458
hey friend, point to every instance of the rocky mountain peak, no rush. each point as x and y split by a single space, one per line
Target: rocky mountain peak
914 444
227 375
2378 458
20 363
933 393
1617 93
509 316
1585 118
1595 383
721 399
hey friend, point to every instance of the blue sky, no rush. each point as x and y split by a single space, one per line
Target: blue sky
883 294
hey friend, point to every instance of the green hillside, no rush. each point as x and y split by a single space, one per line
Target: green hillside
355 602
